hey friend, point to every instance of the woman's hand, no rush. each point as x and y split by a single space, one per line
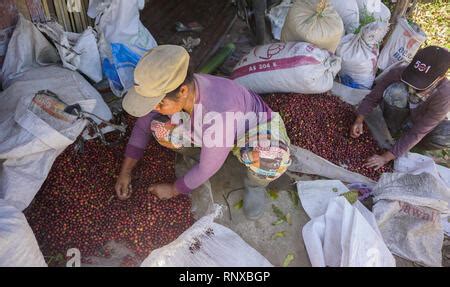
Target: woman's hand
378 161
357 128
164 191
123 186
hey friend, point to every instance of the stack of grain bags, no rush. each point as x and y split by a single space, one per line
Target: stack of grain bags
321 39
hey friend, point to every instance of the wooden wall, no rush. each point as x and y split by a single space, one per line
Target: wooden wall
8 19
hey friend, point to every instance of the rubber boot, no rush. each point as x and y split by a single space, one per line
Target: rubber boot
254 197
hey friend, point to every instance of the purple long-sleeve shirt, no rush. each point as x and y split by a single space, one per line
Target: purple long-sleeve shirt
425 117
214 94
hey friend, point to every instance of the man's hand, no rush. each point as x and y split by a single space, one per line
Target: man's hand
378 161
164 191
123 186
357 128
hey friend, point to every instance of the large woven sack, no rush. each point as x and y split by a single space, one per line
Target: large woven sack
402 45
359 55
349 12
315 22
293 67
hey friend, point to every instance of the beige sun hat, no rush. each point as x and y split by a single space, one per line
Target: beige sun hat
162 70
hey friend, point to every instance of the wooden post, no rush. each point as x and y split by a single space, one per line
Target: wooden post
400 10
37 13
8 19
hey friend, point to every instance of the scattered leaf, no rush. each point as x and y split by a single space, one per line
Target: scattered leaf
278 222
288 260
294 198
335 189
279 235
351 196
280 215
289 219
239 204
273 194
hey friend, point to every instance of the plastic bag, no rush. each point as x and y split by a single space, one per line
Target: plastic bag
315 22
27 49
344 235
77 51
402 45
207 244
359 55
18 246
408 209
278 67
277 16
123 40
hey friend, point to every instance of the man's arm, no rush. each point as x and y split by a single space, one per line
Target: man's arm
374 98
436 112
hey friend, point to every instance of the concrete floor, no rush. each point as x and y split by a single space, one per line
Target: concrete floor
259 233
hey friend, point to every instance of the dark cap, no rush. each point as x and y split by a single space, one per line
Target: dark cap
426 67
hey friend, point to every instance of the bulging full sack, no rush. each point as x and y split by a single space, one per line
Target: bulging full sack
408 209
359 55
287 68
313 21
402 45
374 8
349 12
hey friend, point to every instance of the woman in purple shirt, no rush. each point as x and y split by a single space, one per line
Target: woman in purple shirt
223 117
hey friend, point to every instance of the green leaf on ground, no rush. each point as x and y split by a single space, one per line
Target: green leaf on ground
273 194
278 222
280 215
294 197
280 234
288 260
335 189
239 204
289 219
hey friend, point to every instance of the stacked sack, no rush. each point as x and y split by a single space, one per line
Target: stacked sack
359 53
315 22
294 67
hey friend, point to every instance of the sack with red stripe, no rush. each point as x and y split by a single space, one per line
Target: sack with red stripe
294 67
